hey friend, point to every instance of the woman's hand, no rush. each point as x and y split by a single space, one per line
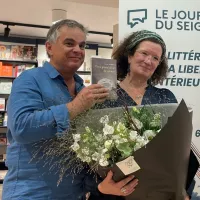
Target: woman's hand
121 188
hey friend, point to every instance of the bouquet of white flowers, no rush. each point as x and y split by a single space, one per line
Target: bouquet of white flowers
153 142
115 140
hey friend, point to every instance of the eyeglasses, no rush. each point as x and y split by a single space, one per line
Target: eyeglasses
145 55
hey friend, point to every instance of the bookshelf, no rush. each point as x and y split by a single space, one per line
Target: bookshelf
17 62
14 59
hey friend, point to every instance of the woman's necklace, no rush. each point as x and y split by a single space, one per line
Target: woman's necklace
137 95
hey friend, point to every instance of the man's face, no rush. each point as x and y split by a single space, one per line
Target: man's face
68 52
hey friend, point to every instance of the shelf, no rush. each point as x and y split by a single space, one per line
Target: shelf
3 126
7 77
3 111
83 72
20 61
6 95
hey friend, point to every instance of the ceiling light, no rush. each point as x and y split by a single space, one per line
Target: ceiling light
58 14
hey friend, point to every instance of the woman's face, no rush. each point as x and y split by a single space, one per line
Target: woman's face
145 59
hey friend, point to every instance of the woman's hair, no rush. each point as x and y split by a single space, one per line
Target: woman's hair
128 48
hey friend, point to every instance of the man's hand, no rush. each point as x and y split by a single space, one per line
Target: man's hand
187 197
87 97
122 188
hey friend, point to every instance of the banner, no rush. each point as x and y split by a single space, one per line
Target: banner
178 22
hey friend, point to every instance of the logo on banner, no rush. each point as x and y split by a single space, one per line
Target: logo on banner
136 16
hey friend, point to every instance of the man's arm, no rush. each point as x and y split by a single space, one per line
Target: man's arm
28 119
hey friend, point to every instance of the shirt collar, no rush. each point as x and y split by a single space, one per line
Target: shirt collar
53 73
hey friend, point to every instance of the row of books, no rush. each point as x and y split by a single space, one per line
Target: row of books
7 70
3 119
18 52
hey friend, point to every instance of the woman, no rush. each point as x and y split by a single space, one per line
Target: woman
142 64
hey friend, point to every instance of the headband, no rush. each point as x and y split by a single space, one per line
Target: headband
145 35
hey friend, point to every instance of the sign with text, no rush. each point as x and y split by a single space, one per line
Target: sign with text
178 22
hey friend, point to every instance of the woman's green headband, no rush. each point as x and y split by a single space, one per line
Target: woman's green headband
145 35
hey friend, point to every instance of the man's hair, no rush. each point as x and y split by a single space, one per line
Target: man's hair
54 32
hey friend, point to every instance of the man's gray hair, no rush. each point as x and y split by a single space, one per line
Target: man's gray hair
53 32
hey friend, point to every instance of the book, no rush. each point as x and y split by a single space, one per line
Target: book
5 86
15 53
6 70
104 72
1 119
2 104
19 69
29 53
5 52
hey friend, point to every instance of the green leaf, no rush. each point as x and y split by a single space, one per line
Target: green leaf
125 148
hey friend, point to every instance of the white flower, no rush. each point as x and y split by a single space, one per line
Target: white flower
137 122
95 156
76 137
121 127
149 134
116 137
133 135
137 146
103 162
86 159
104 151
104 120
108 144
108 130
79 156
140 142
98 137
85 151
87 129
156 120
75 146
121 140
114 123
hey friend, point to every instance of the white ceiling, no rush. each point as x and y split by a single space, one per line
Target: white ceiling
97 15
105 3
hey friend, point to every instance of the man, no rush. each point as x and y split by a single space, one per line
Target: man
41 105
